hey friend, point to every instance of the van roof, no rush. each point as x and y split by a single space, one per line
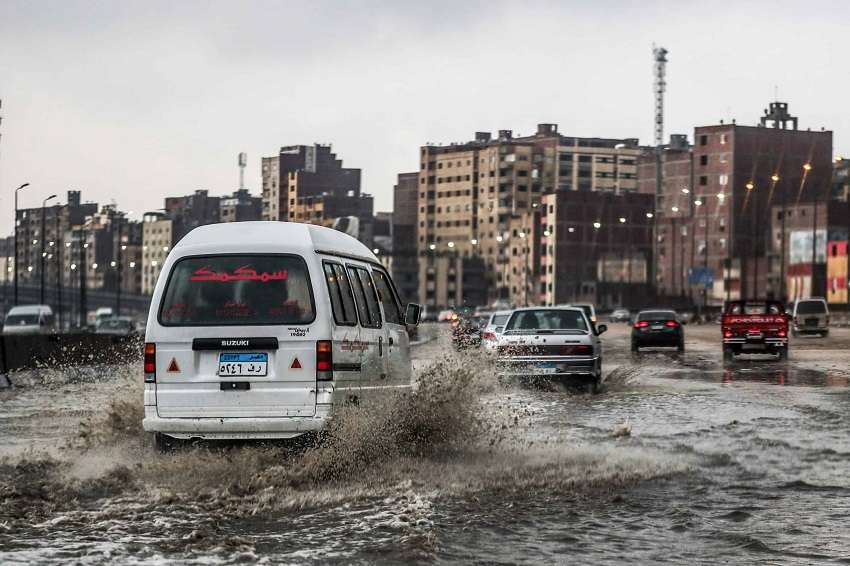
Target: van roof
29 309
270 237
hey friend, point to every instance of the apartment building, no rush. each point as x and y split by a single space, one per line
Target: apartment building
405 265
157 240
595 247
300 171
470 192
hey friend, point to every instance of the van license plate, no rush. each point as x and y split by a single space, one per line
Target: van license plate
243 364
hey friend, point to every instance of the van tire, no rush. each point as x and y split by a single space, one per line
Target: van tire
782 354
165 444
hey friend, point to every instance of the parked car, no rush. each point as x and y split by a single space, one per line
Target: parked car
29 319
116 326
810 316
493 329
755 326
260 330
657 329
553 343
620 315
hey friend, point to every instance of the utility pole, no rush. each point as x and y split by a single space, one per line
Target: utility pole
659 55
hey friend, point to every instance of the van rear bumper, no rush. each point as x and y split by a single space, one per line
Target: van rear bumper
231 428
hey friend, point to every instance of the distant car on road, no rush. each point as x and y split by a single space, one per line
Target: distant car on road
29 319
810 316
657 329
754 326
589 310
116 326
620 315
552 342
493 329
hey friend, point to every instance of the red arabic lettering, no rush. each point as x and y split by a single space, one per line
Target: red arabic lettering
244 273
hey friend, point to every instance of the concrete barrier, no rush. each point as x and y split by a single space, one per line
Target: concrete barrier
71 349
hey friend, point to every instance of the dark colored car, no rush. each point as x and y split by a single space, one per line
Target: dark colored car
657 329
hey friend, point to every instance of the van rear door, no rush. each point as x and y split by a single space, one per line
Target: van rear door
235 338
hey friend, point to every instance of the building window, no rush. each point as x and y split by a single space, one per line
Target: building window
703 160
703 180
703 140
723 138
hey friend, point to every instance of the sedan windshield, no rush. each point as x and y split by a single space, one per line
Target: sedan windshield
547 319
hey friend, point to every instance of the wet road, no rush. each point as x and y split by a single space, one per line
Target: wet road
678 460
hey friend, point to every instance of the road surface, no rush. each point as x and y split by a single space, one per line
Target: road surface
679 460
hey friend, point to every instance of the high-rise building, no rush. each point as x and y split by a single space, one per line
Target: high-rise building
302 171
405 266
470 192
593 247
157 240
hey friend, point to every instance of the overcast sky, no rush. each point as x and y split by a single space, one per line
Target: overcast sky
133 101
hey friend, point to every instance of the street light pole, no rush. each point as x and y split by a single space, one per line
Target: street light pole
15 264
43 237
59 267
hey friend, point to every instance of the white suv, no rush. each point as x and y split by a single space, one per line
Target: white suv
810 316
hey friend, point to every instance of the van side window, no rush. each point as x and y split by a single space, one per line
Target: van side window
392 309
339 289
367 300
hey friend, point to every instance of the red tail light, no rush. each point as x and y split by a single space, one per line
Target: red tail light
780 333
150 362
324 360
641 324
727 334
488 335
671 324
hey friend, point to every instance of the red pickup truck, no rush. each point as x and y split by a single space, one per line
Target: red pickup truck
754 326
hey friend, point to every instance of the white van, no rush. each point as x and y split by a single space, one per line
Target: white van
258 329
29 319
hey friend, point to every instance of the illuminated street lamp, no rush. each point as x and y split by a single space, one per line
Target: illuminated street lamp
432 247
807 167
43 235
474 241
597 225
622 220
775 177
451 245
649 215
698 202
685 191
675 209
749 185
25 185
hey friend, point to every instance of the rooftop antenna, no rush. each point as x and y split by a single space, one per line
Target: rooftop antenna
243 161
659 54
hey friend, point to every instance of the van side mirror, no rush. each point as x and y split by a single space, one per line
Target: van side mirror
601 328
412 314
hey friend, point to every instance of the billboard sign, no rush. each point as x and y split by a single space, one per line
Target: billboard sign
800 250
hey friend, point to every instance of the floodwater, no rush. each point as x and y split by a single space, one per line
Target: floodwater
678 460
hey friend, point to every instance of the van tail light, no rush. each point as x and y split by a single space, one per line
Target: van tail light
727 333
641 324
671 324
780 333
150 362
488 335
324 360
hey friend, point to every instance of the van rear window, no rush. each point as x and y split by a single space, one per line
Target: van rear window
234 290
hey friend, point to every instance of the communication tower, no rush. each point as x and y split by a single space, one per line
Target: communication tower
659 54
243 161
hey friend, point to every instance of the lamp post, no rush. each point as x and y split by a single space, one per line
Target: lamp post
25 185
59 266
43 253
